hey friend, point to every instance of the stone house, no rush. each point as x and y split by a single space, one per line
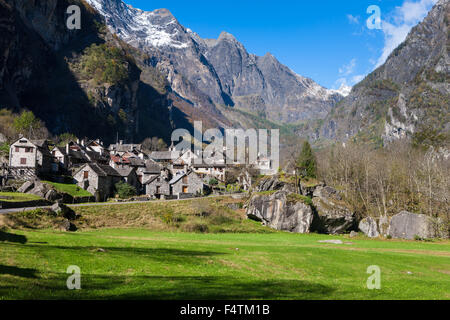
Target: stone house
61 159
208 171
97 179
29 159
186 183
129 176
157 187
120 149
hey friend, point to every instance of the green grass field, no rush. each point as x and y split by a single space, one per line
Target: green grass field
18 197
72 189
144 264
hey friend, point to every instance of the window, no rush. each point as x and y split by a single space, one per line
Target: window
17 149
23 160
28 149
86 175
185 179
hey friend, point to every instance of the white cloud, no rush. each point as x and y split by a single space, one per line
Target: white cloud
353 19
347 69
357 78
347 75
400 22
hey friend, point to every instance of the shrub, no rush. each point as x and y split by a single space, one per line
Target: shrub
124 190
104 64
196 227
213 182
171 218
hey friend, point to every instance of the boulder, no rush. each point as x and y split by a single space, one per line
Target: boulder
52 195
64 211
66 225
353 234
40 189
278 212
273 183
369 227
383 225
27 186
307 188
333 215
326 192
407 225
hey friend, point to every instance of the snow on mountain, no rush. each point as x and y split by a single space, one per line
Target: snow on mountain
344 90
217 71
157 28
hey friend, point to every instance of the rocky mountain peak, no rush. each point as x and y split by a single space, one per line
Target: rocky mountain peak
225 36
404 97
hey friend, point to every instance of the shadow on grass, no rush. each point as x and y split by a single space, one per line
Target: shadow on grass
16 271
165 287
11 237
157 254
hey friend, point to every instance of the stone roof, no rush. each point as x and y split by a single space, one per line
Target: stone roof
124 172
101 170
164 155
151 167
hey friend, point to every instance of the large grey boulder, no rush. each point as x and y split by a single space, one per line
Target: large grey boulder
27 186
40 189
383 225
407 225
369 226
52 195
64 211
281 212
334 216
66 225
326 192
274 183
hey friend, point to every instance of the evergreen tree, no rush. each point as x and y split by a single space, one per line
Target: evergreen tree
306 162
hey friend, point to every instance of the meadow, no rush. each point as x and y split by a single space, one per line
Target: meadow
145 264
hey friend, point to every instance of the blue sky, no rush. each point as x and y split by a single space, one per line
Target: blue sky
327 40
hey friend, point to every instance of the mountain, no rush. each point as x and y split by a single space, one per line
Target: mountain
87 82
209 73
408 96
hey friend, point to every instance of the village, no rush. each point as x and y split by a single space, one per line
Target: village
170 174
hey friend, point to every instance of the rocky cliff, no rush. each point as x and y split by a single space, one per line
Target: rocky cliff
43 68
409 95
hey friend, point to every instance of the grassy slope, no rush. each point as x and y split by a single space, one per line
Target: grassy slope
162 265
157 216
18 197
72 189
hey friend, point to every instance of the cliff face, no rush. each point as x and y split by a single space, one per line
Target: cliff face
40 70
407 96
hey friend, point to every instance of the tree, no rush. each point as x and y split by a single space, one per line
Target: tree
154 144
124 190
306 162
65 138
213 182
27 124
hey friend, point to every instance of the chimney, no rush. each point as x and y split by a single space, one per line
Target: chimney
121 142
82 142
67 149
